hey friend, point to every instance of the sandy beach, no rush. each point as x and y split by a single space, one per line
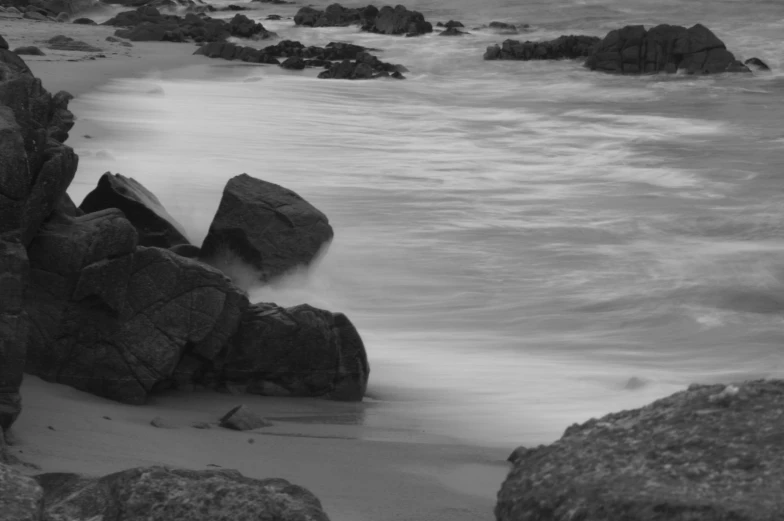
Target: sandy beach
362 470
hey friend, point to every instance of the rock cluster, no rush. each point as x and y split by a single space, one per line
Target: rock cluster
297 57
711 452
632 50
112 299
148 24
154 494
387 20
565 47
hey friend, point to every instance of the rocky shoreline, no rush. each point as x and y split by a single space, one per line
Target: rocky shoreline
110 297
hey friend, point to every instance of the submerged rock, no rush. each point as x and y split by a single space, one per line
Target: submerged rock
664 48
145 212
711 452
166 494
267 227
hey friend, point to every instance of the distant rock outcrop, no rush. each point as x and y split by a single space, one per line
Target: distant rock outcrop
154 494
145 212
712 452
664 48
148 24
565 47
266 226
387 20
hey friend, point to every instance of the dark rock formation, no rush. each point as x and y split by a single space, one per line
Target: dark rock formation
565 47
299 351
145 212
148 24
84 21
664 48
113 319
3 43
711 453
366 67
452 31
241 418
156 494
65 43
14 273
387 20
450 24
503 27
270 228
756 64
30 50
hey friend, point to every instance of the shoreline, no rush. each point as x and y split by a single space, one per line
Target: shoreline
359 469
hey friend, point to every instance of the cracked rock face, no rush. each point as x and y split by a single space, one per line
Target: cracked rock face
711 453
114 319
267 227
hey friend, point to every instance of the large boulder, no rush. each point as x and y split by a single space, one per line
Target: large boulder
664 48
564 47
710 453
335 15
21 497
152 222
299 351
398 20
165 494
115 319
267 227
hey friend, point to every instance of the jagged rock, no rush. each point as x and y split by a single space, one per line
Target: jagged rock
302 350
664 48
241 418
84 21
145 212
21 498
565 47
113 319
30 50
398 20
166 494
270 228
756 64
711 452
65 43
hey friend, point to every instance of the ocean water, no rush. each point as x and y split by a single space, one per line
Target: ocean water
522 245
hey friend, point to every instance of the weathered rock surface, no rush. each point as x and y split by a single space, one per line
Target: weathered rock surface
21 498
270 228
565 47
66 43
115 319
145 212
387 20
299 351
157 494
664 48
13 328
148 24
241 418
711 453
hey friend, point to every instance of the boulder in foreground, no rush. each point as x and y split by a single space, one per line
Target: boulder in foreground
152 222
711 453
268 227
154 494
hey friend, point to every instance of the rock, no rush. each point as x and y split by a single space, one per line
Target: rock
160 423
335 15
503 27
189 251
65 43
34 15
302 350
3 43
29 50
516 454
453 23
114 319
453 31
564 47
398 20
21 498
241 418
270 228
84 21
664 48
293 63
63 17
365 67
687 456
164 494
273 17
756 64
145 212
14 274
